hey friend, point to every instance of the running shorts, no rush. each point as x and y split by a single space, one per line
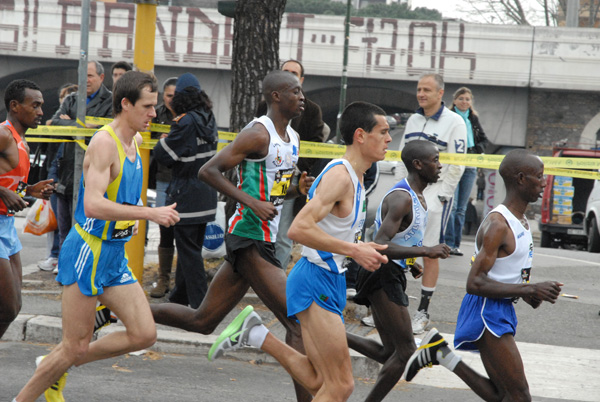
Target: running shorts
93 263
478 314
308 283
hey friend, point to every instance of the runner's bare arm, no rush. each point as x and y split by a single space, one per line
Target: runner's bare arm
495 232
332 189
8 197
252 142
100 157
397 206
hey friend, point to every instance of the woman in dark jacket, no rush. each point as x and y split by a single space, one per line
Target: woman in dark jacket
476 144
191 142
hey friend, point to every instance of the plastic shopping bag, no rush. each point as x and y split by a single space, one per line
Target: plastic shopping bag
40 219
214 238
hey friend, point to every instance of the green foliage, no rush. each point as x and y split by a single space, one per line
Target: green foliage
400 11
315 7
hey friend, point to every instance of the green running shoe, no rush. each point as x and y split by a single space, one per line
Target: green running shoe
236 333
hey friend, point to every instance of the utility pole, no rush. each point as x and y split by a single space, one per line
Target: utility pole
81 97
344 72
572 13
143 60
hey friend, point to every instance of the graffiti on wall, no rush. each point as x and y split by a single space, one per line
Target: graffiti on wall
195 36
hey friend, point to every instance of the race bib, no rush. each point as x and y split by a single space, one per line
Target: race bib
281 184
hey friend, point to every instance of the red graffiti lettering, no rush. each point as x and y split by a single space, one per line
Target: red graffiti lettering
212 41
170 45
115 31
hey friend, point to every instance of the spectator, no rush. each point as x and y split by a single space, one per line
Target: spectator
53 238
161 175
310 126
480 184
435 123
191 142
476 144
99 104
118 69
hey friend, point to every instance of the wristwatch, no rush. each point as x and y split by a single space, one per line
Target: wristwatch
442 198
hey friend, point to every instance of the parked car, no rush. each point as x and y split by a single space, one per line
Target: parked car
391 122
592 219
387 166
564 204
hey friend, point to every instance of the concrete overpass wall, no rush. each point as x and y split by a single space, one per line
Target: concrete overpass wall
502 64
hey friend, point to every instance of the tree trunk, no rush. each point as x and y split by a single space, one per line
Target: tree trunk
255 53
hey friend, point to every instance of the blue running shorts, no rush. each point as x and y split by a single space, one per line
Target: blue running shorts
92 263
308 283
9 239
477 314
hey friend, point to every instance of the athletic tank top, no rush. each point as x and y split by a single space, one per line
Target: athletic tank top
126 188
265 179
19 174
514 268
347 229
412 236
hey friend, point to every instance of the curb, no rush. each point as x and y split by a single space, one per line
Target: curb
48 330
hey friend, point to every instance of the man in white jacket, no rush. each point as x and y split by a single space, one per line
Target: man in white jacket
435 123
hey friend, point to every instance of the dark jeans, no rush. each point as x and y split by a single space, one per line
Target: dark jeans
190 277
56 234
64 216
459 208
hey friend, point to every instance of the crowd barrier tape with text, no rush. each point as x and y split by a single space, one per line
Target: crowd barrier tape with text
557 166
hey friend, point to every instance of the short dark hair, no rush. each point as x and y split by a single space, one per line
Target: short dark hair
170 81
121 64
358 115
130 87
16 91
416 150
297 62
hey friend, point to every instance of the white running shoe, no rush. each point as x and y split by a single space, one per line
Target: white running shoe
368 321
48 264
420 322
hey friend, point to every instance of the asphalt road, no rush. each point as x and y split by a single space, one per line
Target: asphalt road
186 378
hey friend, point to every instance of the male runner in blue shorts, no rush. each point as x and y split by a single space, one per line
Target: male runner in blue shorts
329 226
400 223
92 261
23 100
499 277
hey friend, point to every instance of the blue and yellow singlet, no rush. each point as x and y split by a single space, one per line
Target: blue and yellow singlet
126 188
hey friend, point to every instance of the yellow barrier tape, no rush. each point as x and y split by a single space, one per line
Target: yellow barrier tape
63 131
157 128
559 166
582 174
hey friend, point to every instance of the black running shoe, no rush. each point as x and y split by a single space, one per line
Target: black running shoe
425 355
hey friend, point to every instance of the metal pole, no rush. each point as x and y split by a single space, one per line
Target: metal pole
81 97
344 72
143 60
572 13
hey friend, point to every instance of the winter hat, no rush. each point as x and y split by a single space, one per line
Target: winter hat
187 80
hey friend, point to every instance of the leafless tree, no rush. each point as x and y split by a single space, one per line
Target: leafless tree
520 12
